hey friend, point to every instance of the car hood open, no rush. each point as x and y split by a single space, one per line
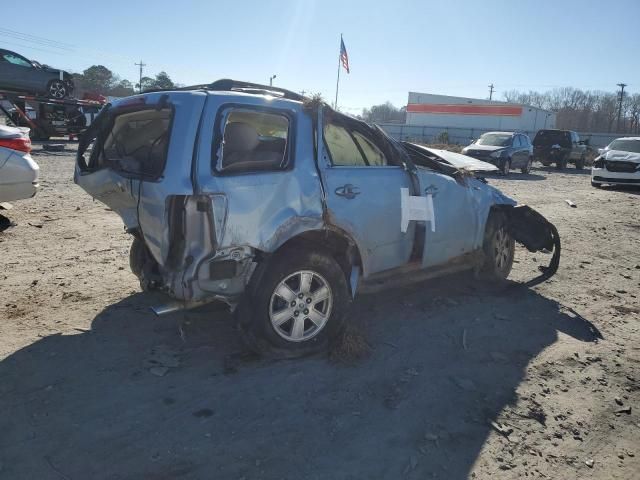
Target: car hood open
461 162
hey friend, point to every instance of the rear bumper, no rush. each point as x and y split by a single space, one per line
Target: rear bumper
602 175
18 191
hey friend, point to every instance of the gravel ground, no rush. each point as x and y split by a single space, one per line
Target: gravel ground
462 381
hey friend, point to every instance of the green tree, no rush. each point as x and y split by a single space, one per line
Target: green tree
97 79
163 80
123 88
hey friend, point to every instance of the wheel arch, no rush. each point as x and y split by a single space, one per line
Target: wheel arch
334 241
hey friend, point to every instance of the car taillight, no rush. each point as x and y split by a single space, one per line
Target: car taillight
22 144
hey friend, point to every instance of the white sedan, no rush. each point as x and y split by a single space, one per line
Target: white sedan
18 171
618 163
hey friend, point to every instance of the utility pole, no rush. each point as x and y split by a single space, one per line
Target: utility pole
490 91
271 80
140 81
621 85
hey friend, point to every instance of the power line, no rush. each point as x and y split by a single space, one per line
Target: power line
5 32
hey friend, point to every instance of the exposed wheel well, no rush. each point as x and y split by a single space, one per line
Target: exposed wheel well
336 243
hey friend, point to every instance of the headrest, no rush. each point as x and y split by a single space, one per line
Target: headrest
240 137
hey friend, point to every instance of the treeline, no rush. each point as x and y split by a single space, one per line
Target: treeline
99 79
585 110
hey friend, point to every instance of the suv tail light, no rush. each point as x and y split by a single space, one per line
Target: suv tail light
22 144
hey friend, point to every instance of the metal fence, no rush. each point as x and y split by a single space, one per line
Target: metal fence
464 136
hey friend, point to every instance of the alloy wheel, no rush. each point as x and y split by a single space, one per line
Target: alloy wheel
502 249
300 306
57 89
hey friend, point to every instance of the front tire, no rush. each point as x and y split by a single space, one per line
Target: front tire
527 168
562 163
580 163
596 184
505 167
57 89
294 305
498 247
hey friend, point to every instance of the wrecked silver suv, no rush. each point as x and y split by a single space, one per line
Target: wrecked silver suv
284 208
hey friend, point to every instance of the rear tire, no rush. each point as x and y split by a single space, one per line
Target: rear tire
562 163
498 247
580 163
294 305
527 168
142 264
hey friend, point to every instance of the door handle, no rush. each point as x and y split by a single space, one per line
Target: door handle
348 191
431 190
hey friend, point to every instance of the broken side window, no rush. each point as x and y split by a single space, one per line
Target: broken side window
253 140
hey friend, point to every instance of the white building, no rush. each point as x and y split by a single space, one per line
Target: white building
428 110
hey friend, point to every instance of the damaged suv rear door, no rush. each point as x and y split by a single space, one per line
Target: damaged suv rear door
122 160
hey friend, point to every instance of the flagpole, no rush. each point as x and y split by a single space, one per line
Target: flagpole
335 105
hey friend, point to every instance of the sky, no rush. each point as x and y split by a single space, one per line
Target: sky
454 47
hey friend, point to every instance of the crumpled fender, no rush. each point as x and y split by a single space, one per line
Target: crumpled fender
536 233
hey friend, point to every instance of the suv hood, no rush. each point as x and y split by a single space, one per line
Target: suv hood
487 148
621 156
461 162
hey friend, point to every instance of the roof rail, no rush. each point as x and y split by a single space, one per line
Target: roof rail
226 84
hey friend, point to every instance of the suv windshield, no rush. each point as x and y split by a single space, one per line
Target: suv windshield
495 139
625 146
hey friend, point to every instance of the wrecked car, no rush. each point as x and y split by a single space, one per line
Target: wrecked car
18 171
618 163
284 208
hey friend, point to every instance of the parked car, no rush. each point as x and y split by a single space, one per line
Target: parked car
18 171
559 147
506 150
618 163
285 208
20 74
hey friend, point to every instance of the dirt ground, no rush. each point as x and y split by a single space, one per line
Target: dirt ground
463 380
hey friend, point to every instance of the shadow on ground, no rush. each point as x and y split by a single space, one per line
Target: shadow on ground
514 175
447 356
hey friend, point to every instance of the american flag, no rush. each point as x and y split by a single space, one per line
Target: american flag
344 58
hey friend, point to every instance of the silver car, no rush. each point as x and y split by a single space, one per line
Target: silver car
285 208
18 171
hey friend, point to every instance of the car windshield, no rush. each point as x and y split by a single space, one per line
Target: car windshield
495 139
16 59
625 145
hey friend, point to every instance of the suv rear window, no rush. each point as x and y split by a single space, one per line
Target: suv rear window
551 137
137 142
133 142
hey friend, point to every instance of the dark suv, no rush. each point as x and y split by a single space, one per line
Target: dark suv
23 75
560 147
505 150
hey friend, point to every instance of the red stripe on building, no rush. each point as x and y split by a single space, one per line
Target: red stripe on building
500 110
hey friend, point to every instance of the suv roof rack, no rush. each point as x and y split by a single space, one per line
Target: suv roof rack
227 85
